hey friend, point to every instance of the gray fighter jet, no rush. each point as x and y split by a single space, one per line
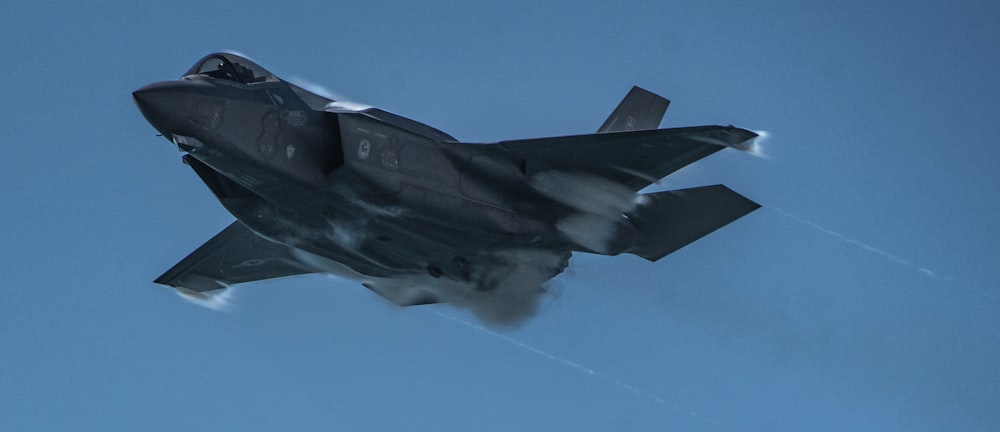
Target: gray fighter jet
324 186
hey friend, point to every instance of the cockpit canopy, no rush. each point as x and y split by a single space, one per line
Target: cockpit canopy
231 67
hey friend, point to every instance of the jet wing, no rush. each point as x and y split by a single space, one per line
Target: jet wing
635 159
235 255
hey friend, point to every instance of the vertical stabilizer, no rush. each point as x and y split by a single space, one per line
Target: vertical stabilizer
640 110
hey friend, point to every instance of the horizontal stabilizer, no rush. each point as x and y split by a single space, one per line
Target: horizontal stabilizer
640 110
671 220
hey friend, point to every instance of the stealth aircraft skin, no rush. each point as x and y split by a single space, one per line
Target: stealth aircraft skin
321 186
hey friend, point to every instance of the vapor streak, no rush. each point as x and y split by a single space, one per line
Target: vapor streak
890 256
580 368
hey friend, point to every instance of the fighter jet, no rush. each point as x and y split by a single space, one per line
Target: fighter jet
325 186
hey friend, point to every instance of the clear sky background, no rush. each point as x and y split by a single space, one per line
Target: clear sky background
863 296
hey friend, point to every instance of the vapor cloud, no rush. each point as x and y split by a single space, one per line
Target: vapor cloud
506 288
599 202
585 193
220 300
756 145
513 286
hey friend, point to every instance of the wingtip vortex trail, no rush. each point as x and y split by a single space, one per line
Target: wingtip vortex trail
220 301
888 255
655 398
756 147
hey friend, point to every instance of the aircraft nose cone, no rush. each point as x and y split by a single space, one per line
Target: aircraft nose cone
149 96
143 94
154 102
171 106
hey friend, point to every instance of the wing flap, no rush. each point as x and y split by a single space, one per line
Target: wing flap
235 255
673 219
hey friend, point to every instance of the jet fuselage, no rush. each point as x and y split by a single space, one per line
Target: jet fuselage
347 185
324 186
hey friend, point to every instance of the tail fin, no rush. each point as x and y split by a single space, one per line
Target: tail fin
673 219
640 110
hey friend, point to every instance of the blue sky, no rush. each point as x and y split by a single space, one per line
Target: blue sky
863 296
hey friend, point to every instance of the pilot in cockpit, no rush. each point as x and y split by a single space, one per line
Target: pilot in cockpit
244 73
218 67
